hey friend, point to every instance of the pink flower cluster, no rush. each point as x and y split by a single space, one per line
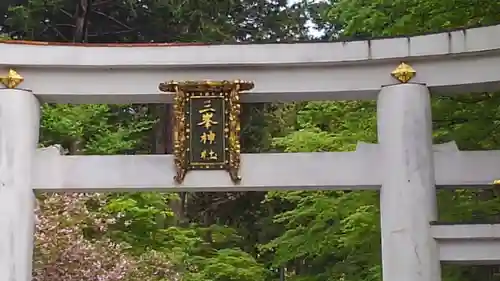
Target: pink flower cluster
62 252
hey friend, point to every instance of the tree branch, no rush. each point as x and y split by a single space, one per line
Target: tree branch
113 19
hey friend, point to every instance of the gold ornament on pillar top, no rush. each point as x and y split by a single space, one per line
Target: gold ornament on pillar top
404 73
496 182
12 80
206 130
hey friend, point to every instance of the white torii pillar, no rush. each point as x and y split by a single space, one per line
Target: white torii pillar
19 124
408 194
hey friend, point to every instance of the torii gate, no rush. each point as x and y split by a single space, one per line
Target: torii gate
404 164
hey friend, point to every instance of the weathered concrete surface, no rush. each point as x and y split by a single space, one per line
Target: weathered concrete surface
408 192
156 172
285 171
19 118
454 62
468 243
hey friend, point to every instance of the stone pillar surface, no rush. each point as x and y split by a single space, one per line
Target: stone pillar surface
408 193
19 125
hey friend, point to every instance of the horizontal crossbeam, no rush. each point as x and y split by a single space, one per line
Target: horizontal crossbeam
261 172
468 243
446 62
156 172
483 231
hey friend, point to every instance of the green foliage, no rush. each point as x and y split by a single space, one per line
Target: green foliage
329 126
228 265
335 235
314 236
92 129
361 18
328 235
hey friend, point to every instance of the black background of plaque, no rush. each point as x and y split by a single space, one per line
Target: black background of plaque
220 104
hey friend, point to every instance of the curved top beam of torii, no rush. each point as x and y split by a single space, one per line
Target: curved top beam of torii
451 62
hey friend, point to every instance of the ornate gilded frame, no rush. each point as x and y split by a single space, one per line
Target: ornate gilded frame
186 94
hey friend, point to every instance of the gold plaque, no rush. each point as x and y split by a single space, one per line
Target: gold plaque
206 131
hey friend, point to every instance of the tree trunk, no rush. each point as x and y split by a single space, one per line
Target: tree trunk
81 20
162 144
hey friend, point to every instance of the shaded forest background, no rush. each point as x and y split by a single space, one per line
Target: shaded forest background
257 236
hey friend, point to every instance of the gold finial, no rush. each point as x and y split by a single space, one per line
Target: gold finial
12 80
496 182
404 73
